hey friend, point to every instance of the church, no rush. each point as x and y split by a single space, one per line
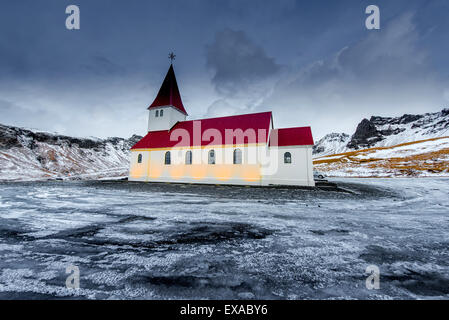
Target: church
241 149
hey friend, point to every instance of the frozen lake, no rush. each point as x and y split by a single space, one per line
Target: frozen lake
161 241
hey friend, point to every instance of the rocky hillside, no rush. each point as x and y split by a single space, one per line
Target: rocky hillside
30 155
331 143
410 145
424 158
386 132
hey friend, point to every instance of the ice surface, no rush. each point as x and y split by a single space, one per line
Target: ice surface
167 241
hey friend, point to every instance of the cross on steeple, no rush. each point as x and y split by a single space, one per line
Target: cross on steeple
171 57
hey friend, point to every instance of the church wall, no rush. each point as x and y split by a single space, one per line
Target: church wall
222 172
298 172
258 167
138 171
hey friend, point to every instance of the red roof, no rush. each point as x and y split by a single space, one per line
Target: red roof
225 126
301 136
168 94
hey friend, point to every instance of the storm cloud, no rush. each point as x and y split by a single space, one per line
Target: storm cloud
385 73
311 62
237 62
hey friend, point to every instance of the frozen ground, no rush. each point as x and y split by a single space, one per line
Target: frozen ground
160 241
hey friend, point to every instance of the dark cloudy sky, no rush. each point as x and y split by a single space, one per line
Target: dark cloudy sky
310 62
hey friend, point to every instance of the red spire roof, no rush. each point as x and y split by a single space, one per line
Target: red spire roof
168 94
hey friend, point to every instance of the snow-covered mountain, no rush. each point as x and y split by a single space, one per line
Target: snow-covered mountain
410 145
30 155
386 132
424 158
331 143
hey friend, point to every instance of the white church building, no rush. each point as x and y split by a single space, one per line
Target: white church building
241 149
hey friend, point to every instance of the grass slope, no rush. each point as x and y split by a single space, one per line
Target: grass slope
428 157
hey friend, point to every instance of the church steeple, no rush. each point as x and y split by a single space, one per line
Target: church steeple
168 94
167 109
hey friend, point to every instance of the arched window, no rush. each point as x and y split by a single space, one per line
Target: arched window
167 158
139 158
157 113
211 157
189 157
161 113
237 156
287 157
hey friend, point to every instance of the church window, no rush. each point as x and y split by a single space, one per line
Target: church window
287 157
237 159
211 157
189 157
157 113
139 158
167 158
161 113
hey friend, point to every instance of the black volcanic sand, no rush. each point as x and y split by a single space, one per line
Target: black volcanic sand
160 241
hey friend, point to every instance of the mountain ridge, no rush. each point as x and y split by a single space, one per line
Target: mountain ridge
26 154
384 132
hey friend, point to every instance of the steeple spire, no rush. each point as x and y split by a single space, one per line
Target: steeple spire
168 94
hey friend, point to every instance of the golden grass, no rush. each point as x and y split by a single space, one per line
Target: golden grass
433 162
